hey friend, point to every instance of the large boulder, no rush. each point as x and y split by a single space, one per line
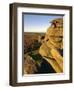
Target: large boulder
52 44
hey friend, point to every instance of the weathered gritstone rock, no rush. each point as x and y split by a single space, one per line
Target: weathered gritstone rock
54 35
52 42
30 65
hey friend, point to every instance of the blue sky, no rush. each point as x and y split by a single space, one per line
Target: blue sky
38 23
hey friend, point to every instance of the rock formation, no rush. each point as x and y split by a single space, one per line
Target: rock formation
53 43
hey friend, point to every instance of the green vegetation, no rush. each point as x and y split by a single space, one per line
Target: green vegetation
37 57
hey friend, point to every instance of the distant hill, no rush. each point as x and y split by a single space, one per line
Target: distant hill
31 40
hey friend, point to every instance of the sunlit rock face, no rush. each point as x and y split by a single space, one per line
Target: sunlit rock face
53 43
54 34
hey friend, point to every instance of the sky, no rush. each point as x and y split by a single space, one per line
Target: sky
38 23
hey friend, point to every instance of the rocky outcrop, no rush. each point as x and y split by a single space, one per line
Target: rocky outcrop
53 43
30 66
